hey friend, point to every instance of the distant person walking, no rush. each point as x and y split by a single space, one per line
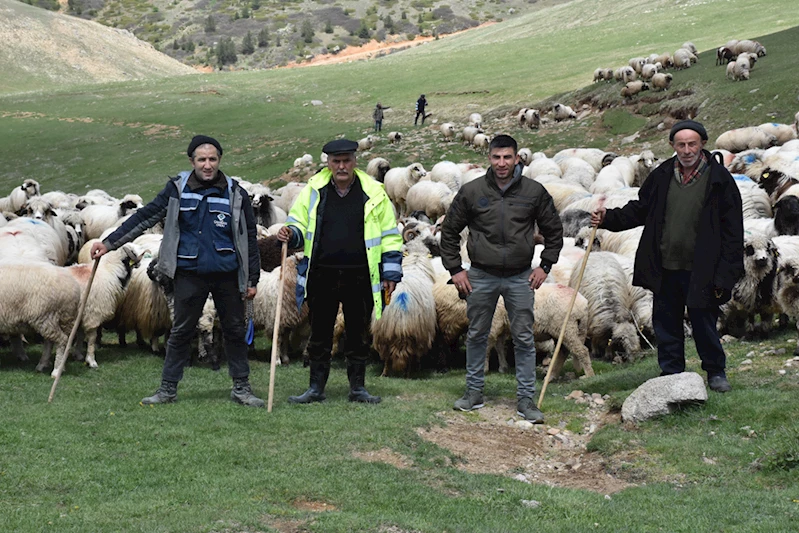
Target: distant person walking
378 116
421 103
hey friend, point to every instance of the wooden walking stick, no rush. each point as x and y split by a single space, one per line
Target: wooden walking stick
78 319
276 330
552 364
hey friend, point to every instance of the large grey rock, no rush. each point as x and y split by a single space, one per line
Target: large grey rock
661 396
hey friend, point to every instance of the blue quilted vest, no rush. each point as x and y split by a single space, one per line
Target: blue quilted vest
206 236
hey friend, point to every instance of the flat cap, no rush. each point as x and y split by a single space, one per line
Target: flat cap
199 140
688 125
340 146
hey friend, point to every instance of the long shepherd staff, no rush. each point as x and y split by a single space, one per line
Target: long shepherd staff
552 364
78 319
273 363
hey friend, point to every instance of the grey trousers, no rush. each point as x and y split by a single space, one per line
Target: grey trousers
481 304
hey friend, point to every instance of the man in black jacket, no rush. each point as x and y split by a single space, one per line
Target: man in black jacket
691 249
501 210
421 103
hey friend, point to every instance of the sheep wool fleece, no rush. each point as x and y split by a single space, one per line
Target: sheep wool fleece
381 235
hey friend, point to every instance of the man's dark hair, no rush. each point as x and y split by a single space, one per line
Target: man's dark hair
503 141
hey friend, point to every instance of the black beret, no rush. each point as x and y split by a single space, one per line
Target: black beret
688 125
200 140
340 146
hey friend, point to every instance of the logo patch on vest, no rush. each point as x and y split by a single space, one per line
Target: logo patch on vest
220 221
482 202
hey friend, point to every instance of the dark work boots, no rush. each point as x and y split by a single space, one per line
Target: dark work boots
356 372
320 371
166 393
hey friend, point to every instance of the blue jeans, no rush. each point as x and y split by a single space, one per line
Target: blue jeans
480 306
667 317
191 291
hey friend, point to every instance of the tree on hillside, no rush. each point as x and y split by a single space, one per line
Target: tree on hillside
245 12
329 27
263 37
248 44
307 31
256 5
363 31
388 24
226 52
210 24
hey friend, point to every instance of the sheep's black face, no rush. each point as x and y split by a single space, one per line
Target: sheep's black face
760 256
786 215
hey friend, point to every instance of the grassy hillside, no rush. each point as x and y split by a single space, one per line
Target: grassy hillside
48 51
127 137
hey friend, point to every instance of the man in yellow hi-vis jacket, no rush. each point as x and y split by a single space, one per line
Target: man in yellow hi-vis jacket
345 222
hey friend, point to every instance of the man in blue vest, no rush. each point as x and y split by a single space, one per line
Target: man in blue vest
208 247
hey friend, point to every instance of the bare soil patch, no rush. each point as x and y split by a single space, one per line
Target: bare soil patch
385 455
313 506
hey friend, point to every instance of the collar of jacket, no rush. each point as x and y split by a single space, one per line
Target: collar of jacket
371 187
517 177
716 178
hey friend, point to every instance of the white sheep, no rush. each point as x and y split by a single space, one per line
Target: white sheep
407 329
748 163
688 45
625 74
529 117
448 173
377 168
683 58
786 288
469 133
367 143
563 112
593 156
397 182
756 202
285 196
643 163
525 156
305 161
542 166
433 198
476 120
783 132
41 297
98 218
649 70
619 174
19 196
447 130
748 138
481 142
394 137
634 87
749 46
661 81
25 239
610 323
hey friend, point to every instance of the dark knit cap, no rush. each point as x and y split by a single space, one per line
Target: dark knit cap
688 125
340 146
200 140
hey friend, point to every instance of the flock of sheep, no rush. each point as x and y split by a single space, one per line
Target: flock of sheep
45 238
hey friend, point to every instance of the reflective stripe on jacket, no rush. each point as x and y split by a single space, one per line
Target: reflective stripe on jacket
381 234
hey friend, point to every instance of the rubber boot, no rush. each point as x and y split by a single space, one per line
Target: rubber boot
356 372
242 393
320 371
166 393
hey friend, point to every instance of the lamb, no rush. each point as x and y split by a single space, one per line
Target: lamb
447 130
264 209
19 196
394 137
593 156
563 112
749 138
599 75
407 329
397 182
736 73
476 120
448 173
530 117
610 325
724 55
377 168
643 163
783 132
432 197
752 294
98 218
634 87
661 81
39 297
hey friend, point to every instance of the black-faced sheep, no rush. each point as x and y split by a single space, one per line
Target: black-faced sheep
481 142
753 293
530 118
394 137
786 215
476 120
662 81
377 168
748 46
19 196
634 87
563 112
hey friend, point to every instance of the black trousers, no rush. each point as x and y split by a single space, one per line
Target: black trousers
327 288
191 291
419 114
667 319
